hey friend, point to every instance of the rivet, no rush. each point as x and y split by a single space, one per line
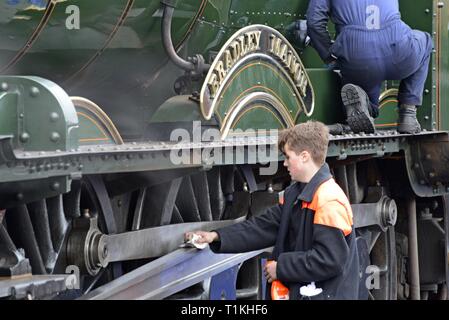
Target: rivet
54 117
55 137
19 196
55 186
34 92
24 137
4 86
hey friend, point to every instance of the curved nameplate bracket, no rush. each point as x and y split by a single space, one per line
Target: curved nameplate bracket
253 111
257 62
388 103
95 125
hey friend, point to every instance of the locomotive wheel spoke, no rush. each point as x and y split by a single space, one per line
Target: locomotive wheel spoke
22 234
186 202
40 220
217 201
201 191
158 203
57 221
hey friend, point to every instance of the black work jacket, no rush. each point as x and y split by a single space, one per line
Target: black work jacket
325 249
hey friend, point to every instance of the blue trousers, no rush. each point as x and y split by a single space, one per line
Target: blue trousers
367 58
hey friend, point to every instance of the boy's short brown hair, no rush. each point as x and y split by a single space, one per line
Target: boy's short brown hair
311 136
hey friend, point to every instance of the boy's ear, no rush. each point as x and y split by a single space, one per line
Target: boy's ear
305 155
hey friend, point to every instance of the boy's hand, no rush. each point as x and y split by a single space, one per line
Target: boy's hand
332 65
205 237
270 271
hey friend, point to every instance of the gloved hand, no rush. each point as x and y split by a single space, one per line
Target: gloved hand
297 30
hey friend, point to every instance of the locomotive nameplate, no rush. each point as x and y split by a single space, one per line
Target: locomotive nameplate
259 67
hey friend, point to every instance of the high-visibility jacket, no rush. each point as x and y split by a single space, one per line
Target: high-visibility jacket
313 237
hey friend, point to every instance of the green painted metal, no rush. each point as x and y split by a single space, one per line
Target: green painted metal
258 76
125 34
388 109
178 108
442 26
258 116
327 99
38 114
92 132
419 15
116 59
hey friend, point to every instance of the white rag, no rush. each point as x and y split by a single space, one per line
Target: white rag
194 242
310 290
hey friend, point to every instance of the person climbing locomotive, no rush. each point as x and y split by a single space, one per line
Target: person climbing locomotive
373 44
311 229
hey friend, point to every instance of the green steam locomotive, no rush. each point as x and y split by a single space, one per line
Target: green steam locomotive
126 123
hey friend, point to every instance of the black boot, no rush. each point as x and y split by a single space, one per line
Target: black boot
357 106
407 120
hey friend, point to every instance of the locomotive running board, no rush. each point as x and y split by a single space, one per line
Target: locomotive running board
168 275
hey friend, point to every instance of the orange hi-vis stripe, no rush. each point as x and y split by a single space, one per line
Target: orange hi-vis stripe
331 207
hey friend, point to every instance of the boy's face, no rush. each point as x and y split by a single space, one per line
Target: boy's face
296 164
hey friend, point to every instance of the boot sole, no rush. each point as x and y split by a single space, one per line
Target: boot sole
358 120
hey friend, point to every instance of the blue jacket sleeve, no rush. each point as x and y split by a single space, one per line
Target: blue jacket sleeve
256 233
317 20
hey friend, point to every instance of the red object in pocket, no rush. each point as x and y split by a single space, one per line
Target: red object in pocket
279 291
